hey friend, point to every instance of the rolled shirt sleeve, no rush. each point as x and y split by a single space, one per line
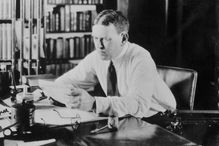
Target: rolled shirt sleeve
83 75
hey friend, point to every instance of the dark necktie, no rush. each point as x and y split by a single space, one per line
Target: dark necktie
112 89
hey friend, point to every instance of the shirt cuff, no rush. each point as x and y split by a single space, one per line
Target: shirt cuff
102 105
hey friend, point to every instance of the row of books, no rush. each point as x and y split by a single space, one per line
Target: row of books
59 68
33 9
85 2
33 50
67 19
5 9
69 48
5 41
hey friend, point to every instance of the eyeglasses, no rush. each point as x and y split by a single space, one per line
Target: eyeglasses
75 120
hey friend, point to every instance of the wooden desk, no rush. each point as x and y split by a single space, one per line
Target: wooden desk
201 126
135 132
131 132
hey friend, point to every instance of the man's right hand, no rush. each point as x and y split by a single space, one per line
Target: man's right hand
81 99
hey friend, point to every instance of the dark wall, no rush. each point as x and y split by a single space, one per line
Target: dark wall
185 36
147 26
107 4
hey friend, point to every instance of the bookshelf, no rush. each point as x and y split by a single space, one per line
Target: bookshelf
7 41
67 34
31 37
7 44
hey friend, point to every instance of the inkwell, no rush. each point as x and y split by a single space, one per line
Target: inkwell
22 114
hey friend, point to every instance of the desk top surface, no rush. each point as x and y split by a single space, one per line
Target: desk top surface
131 131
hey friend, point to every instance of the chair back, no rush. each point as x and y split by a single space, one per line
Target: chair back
182 82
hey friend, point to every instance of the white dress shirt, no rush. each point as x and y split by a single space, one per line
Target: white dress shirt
142 92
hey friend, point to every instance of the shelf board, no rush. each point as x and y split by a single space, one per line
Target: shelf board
75 61
4 64
5 61
82 7
61 61
66 34
5 21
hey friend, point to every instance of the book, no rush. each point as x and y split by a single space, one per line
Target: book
35 52
71 48
82 47
67 18
62 19
77 46
9 41
73 22
33 80
26 49
79 19
4 41
66 48
59 47
52 49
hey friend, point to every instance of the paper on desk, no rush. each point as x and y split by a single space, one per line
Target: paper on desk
64 116
4 111
11 142
56 91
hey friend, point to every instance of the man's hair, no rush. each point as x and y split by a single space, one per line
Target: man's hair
107 17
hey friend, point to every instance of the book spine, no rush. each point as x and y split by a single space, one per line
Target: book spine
77 46
9 41
73 22
1 9
4 41
26 50
82 47
62 19
59 48
57 22
67 18
71 48
66 50
9 9
34 51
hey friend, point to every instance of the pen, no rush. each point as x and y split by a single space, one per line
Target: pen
42 97
99 129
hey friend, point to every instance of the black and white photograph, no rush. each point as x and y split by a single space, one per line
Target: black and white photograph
109 72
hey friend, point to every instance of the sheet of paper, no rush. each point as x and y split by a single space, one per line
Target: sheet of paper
56 91
64 116
11 142
4 111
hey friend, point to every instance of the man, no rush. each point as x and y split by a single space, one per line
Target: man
140 90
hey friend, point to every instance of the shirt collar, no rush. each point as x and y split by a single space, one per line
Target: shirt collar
122 52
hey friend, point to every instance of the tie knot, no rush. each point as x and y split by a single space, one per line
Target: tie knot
111 67
111 63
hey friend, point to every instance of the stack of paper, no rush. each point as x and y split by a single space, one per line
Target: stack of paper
55 91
